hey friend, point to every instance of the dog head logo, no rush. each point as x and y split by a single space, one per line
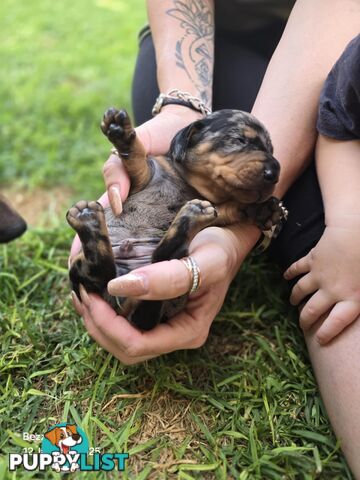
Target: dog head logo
64 437
65 441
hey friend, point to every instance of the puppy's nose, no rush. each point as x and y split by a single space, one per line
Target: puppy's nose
270 175
76 436
271 171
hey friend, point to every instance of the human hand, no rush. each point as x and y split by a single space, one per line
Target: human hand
219 253
332 279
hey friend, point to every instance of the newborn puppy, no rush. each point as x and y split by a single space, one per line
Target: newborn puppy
219 170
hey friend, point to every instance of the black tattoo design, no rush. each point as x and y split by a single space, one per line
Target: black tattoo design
196 18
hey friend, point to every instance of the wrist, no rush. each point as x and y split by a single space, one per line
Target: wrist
243 238
181 98
181 111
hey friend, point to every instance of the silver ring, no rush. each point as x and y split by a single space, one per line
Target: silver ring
195 274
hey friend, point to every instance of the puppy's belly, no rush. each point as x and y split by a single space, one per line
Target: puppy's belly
132 253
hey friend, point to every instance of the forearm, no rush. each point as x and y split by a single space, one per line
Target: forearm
183 35
315 36
338 168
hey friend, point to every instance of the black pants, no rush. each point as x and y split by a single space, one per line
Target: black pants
240 65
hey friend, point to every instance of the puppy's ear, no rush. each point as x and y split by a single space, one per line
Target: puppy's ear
52 435
180 142
72 428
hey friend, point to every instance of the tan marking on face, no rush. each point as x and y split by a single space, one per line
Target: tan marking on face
203 147
218 178
213 191
236 161
249 132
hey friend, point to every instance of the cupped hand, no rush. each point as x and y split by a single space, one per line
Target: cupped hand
219 253
331 278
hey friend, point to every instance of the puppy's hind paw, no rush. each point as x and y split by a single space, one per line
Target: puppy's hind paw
85 215
199 211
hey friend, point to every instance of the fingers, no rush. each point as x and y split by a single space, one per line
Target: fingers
158 281
189 329
118 336
112 332
315 307
117 183
182 331
304 287
106 343
297 268
339 318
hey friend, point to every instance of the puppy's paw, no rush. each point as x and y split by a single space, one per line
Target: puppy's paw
86 215
268 214
199 212
116 125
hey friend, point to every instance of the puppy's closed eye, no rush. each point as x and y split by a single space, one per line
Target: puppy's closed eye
242 140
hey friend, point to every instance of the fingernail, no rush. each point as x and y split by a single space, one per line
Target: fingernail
115 199
131 284
75 300
84 296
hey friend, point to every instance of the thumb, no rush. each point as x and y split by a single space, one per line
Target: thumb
158 281
171 279
117 182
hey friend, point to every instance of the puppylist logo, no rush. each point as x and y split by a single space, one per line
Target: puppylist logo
65 448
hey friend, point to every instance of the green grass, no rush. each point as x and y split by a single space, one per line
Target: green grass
245 406
63 64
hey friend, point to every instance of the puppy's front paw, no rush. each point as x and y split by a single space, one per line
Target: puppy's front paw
268 214
116 125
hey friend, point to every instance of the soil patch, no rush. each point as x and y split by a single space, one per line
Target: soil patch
40 207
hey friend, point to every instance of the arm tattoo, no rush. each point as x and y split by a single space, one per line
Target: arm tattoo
194 52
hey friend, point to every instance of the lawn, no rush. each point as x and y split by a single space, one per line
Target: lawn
246 405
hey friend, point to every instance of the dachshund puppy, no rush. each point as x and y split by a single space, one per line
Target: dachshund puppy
219 170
